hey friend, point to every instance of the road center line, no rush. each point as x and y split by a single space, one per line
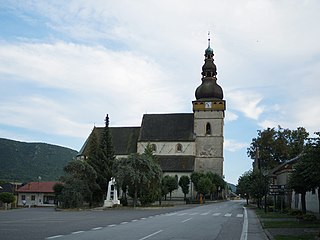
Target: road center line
152 234
97 228
77 232
186 220
53 237
244 234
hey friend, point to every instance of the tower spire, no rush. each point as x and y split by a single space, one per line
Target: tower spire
208 39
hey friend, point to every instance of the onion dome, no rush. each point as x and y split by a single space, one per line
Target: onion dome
209 89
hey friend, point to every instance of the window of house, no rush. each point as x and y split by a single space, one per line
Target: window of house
33 197
208 129
154 147
179 147
23 197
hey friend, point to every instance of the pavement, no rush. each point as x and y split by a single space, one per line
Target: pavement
255 230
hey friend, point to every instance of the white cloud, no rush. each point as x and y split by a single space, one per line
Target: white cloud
246 102
233 146
231 116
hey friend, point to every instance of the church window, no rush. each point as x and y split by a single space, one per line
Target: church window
208 129
154 147
179 147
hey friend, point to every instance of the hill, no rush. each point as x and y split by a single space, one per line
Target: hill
23 162
232 187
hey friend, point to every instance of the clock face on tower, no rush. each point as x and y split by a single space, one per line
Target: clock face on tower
207 104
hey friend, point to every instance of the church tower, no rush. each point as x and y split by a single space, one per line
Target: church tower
208 109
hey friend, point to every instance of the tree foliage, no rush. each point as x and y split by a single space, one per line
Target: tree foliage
171 183
184 183
306 173
141 173
101 157
79 184
253 184
244 185
216 182
277 145
204 185
7 197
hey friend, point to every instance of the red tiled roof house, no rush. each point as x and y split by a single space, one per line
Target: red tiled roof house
36 194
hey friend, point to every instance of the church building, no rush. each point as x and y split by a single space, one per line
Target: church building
182 142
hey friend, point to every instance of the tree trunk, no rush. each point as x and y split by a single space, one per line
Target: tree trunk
319 198
170 196
303 203
135 196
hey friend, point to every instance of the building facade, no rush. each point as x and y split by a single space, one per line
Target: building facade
182 142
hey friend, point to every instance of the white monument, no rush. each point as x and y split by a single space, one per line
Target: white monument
112 195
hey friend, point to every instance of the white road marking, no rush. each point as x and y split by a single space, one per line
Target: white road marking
112 225
96 228
134 220
171 214
186 220
182 214
123 223
244 233
216 214
192 214
77 232
204 214
228 215
53 237
151 235
240 215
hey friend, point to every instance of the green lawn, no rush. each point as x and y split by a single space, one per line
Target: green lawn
301 237
290 224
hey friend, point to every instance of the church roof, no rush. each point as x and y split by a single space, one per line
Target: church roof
124 140
176 163
167 127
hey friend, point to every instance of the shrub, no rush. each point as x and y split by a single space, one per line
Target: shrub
295 212
309 217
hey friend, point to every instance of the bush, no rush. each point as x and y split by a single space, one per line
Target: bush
7 197
309 217
295 212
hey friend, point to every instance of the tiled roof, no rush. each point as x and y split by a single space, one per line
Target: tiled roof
167 127
176 163
124 140
37 187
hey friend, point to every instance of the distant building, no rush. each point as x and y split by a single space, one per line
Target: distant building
182 142
39 194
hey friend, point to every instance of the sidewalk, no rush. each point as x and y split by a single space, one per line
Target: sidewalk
255 230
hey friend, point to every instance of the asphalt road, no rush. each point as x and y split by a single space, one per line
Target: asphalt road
224 220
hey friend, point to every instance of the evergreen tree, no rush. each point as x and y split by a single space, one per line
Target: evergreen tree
101 157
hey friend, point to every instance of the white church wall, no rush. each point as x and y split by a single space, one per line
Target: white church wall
169 148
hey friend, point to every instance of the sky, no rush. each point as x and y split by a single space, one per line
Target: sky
64 65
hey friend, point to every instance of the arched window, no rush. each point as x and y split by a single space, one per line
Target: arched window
208 129
154 147
179 147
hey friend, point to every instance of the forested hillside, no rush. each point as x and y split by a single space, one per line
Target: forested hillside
23 162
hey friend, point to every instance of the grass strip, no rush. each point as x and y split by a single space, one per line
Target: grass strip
300 237
290 224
